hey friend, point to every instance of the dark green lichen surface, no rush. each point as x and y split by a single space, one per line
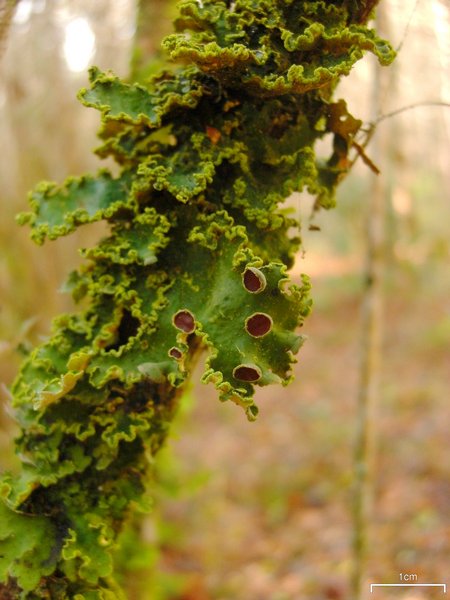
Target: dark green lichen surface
196 259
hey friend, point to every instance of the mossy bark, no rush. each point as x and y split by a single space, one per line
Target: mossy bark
207 152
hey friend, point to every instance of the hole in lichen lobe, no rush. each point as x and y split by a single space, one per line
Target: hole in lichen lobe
127 328
175 353
184 320
254 280
247 372
258 324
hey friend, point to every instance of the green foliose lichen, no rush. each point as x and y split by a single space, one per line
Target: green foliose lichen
196 260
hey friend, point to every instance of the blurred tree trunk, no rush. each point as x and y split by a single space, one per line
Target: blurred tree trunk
153 22
372 314
6 13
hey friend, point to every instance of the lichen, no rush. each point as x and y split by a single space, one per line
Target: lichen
196 260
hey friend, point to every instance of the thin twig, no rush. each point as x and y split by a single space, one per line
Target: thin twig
410 107
370 128
406 30
366 160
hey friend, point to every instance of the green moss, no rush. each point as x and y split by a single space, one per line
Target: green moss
207 152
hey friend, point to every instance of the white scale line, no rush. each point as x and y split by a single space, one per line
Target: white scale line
374 585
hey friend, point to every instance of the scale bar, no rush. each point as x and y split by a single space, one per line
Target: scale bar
442 585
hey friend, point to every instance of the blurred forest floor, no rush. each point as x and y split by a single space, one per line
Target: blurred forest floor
261 511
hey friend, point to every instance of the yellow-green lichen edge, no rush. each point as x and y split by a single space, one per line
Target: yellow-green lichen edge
196 259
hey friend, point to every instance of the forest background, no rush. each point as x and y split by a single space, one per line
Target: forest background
261 511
